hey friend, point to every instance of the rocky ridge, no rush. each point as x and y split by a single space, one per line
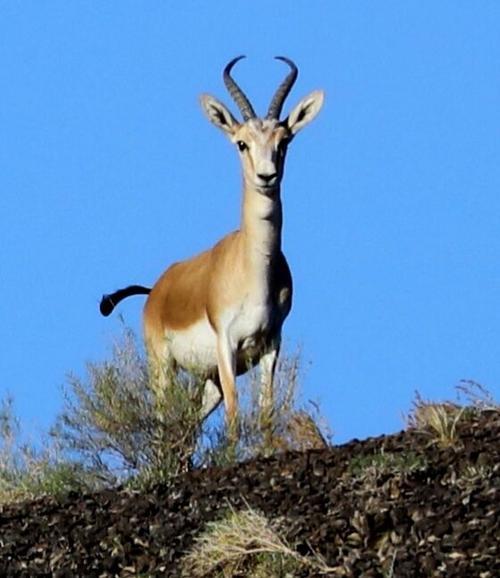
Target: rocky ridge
400 505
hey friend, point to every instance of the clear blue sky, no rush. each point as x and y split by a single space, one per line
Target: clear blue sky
109 172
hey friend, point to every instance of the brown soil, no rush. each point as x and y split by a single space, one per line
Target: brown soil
398 505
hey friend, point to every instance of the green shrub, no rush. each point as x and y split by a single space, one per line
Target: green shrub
28 470
114 429
122 432
119 429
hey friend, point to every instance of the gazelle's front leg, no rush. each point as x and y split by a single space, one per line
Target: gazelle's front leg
226 361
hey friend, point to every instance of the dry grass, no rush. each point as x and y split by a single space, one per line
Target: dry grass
438 420
245 543
476 396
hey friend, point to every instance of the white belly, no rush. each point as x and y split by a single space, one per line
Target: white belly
196 348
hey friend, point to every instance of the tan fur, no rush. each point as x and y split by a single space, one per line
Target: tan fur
223 310
210 283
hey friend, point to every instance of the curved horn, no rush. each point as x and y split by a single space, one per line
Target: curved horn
283 90
235 91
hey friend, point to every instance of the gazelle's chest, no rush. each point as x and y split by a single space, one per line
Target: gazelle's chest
247 324
248 321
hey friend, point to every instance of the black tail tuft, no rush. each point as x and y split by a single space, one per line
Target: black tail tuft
109 302
106 305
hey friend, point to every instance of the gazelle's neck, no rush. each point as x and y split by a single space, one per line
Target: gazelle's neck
261 222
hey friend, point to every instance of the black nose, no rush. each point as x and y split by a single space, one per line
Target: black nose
267 178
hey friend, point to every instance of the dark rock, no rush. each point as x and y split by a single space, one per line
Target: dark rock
440 518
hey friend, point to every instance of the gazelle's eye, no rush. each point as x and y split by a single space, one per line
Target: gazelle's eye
242 145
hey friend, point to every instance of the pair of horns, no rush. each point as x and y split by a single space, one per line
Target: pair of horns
279 97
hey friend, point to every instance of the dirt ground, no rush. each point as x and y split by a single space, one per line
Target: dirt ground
399 505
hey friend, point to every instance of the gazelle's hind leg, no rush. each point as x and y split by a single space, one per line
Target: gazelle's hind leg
162 375
161 369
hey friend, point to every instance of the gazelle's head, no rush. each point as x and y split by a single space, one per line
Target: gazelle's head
262 142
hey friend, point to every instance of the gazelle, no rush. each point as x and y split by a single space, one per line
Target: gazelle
222 310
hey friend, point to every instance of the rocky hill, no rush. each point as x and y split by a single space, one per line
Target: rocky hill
404 505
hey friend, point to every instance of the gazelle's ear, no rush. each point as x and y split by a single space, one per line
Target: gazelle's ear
218 114
305 111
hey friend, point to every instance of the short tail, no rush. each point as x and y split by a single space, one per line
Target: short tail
109 302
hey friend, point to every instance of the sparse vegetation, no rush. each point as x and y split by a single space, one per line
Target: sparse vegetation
407 508
439 420
246 543
476 396
288 425
120 430
113 429
29 469
386 462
